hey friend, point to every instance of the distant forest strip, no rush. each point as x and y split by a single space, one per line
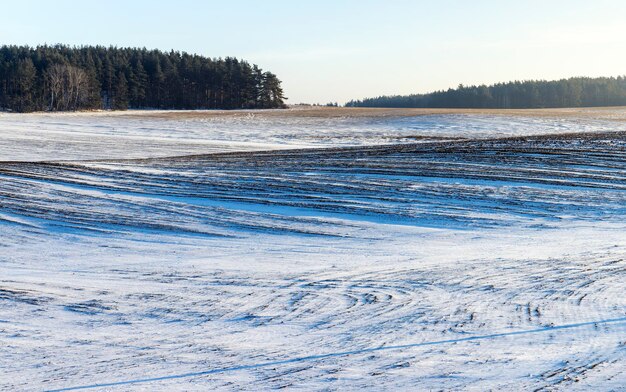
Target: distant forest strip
572 92
61 78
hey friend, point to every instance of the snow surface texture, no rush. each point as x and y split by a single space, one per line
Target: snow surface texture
371 261
88 136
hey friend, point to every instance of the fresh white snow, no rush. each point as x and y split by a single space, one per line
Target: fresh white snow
474 264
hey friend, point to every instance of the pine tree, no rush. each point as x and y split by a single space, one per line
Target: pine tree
24 74
138 83
120 95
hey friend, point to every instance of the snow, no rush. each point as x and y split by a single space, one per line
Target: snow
473 264
142 134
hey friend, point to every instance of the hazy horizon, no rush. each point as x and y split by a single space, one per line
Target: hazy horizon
336 52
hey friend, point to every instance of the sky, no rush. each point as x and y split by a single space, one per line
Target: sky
327 51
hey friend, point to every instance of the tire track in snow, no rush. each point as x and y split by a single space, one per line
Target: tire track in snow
343 354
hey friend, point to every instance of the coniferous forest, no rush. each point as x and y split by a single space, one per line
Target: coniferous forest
59 78
572 92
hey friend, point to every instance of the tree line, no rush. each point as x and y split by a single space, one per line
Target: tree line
572 92
59 78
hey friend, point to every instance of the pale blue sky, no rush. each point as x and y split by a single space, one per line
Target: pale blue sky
338 50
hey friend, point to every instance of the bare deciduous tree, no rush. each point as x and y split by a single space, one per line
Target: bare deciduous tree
67 87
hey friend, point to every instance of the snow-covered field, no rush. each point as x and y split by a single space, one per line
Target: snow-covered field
251 251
